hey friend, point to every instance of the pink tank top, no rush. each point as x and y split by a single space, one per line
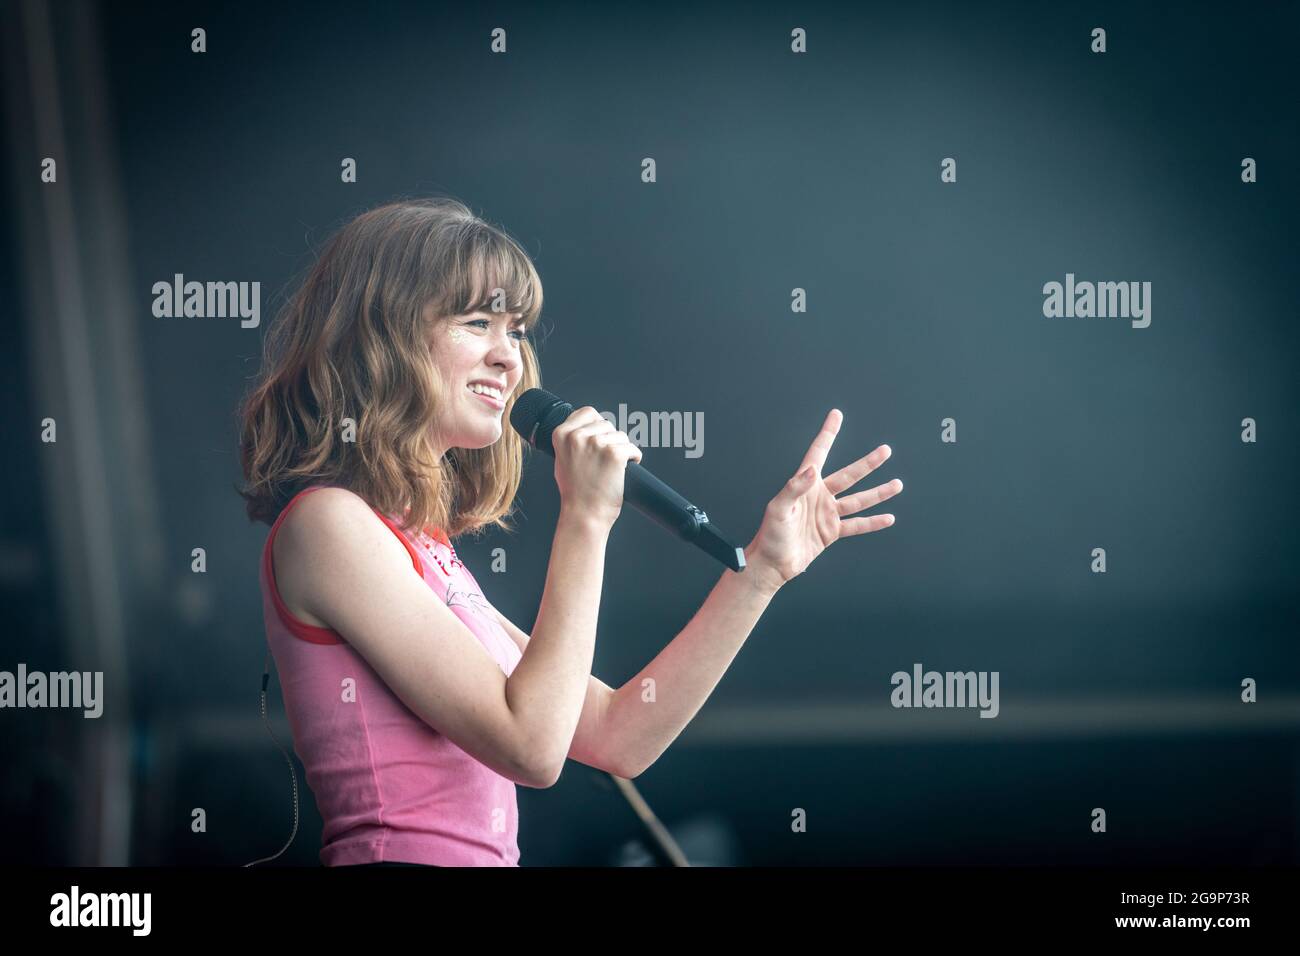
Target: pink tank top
389 786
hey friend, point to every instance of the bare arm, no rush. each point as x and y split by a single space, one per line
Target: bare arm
621 733
548 689
337 561
550 685
588 738
798 524
640 725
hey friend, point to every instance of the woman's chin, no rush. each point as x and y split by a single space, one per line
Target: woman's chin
485 439
481 436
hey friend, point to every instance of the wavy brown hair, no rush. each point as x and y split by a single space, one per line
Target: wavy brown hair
353 342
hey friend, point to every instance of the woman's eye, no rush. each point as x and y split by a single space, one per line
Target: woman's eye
519 334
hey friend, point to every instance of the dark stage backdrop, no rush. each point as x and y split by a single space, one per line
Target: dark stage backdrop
849 206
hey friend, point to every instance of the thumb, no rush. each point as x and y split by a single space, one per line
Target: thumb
801 481
794 488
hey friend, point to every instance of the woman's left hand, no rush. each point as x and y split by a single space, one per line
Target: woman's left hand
806 518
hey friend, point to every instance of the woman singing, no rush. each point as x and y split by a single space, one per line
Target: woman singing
374 437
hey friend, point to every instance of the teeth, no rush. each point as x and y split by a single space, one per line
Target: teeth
486 390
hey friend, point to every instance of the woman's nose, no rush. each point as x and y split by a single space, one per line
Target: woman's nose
505 352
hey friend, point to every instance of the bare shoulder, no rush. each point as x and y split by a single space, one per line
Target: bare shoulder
345 569
319 545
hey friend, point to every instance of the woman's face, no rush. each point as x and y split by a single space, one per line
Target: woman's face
481 349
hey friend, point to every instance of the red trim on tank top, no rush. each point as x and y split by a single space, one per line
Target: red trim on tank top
437 534
310 632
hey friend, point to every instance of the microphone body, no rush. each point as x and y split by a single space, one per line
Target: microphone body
536 415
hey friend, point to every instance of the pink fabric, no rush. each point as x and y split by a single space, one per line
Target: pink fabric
389 786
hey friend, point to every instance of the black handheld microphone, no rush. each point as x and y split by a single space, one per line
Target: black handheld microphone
537 413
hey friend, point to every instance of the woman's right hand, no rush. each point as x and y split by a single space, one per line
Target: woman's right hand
591 457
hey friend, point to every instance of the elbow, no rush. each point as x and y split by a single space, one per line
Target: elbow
622 761
543 778
539 774
628 771
536 762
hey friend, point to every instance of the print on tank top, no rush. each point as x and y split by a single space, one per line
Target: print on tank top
456 595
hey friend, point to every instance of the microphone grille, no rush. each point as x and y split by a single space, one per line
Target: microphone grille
529 408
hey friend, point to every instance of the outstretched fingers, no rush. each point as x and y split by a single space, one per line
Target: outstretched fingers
863 525
850 475
851 504
821 445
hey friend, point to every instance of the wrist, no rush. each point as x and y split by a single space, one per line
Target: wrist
583 521
762 578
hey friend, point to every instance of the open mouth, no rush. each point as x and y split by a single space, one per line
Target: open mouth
491 396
